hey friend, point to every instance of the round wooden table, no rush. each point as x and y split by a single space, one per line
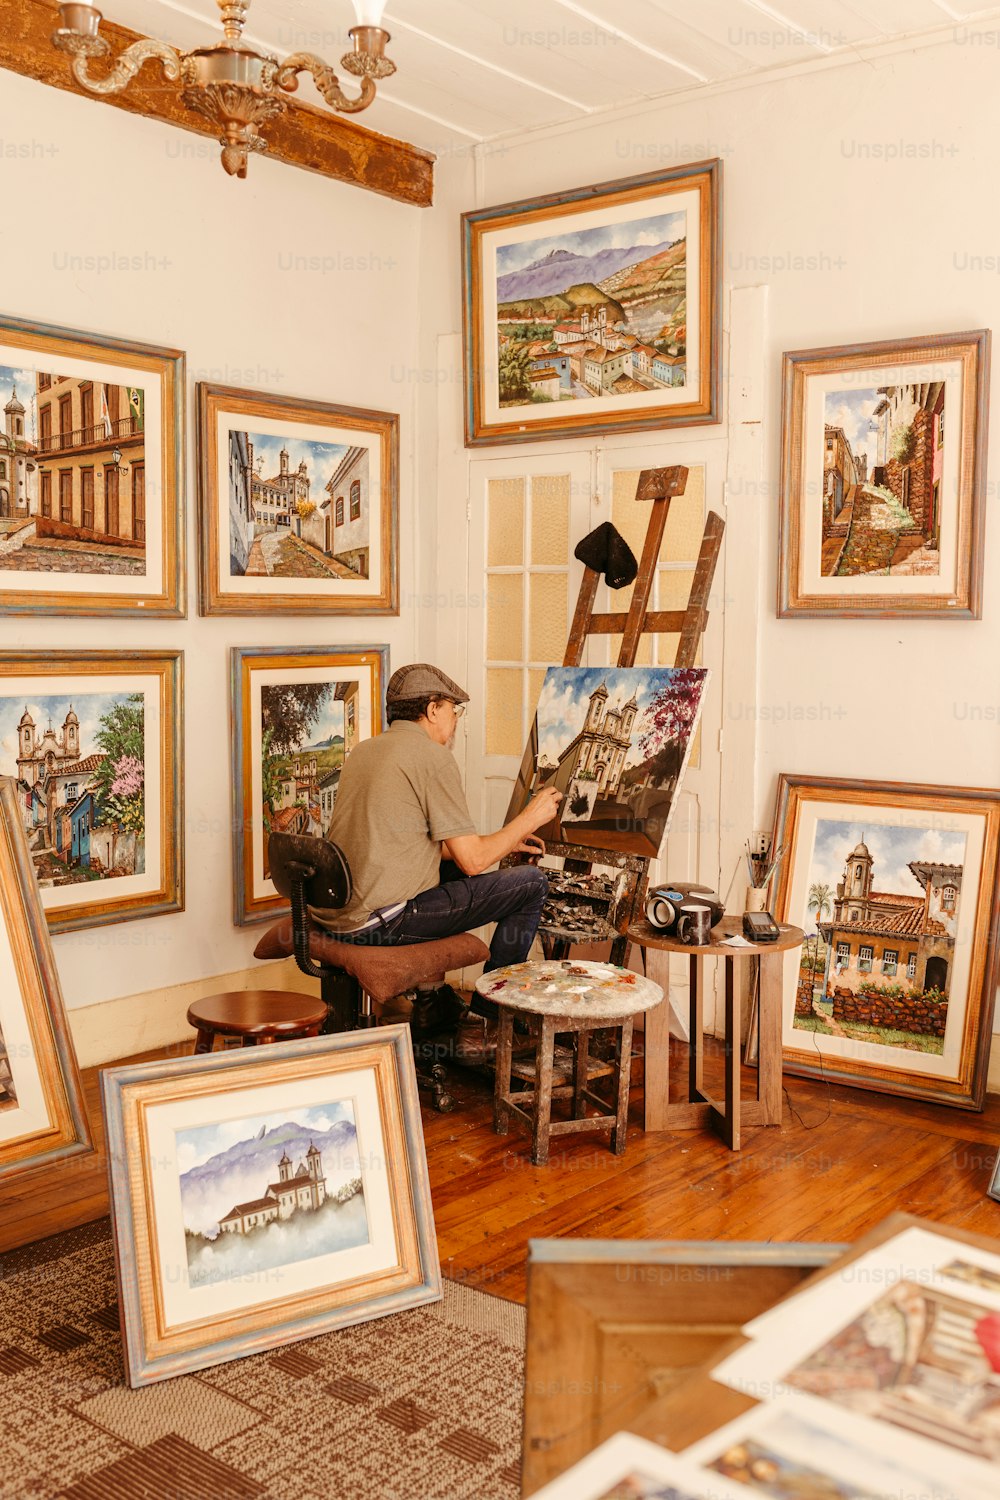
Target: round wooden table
699 1108
565 995
255 1016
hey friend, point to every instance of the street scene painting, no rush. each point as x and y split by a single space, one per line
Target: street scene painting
307 730
79 765
883 477
72 474
299 504
883 906
593 312
265 1192
614 741
298 509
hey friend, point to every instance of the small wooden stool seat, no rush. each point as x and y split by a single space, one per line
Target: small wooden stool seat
255 1016
556 997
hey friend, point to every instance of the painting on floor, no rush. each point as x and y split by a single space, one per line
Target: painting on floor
265 1195
614 742
893 886
883 467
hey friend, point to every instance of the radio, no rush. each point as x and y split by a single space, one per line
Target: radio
666 903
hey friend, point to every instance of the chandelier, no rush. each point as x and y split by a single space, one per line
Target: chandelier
233 86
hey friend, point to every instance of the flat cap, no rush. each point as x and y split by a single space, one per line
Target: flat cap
420 680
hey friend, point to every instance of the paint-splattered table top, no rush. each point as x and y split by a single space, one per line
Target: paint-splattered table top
570 987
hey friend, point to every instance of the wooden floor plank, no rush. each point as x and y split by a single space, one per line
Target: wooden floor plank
840 1161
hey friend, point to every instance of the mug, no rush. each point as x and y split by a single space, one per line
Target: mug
756 898
694 924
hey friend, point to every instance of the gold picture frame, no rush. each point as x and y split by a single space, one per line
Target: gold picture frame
562 334
43 1118
347 1238
298 505
97 766
91 474
883 479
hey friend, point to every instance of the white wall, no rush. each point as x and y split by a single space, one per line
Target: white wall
861 195
218 272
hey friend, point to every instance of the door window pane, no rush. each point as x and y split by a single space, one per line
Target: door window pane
505 546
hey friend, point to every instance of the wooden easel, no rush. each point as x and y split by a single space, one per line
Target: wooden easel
659 486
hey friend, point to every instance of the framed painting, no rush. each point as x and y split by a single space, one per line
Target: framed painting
43 1118
266 1195
614 741
883 473
299 506
296 714
897 888
92 740
91 466
594 310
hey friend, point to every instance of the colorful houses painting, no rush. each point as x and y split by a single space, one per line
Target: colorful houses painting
297 509
78 767
593 312
883 463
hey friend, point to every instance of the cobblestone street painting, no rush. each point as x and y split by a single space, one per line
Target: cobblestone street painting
883 471
297 509
299 505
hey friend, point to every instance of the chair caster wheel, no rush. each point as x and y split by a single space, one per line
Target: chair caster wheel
437 1072
443 1102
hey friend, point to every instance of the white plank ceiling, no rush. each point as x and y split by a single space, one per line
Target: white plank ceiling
474 71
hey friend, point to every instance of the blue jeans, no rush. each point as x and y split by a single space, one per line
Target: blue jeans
513 899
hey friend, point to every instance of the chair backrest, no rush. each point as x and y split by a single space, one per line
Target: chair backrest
320 865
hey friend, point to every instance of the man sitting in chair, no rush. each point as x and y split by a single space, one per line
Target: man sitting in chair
402 820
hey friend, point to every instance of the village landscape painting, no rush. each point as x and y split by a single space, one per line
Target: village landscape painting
297 509
593 310
258 1194
884 908
78 764
614 741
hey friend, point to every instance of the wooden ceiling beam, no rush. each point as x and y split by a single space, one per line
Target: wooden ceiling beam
317 140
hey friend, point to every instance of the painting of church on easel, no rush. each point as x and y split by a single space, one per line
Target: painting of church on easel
615 742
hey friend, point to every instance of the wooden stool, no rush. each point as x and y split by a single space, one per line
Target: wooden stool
560 997
255 1016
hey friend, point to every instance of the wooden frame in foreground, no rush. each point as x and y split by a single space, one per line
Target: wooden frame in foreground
200 1284
43 1118
614 1326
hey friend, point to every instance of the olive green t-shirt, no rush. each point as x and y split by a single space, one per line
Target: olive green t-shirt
400 797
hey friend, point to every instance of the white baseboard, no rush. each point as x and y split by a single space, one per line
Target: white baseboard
158 1018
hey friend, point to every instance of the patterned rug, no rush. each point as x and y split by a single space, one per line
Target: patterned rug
424 1405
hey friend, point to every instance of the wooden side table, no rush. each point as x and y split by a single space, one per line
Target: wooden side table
255 1016
565 996
699 1108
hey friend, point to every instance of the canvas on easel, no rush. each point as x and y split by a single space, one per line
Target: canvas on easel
622 816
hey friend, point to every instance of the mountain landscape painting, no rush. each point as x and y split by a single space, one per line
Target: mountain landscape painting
593 312
258 1194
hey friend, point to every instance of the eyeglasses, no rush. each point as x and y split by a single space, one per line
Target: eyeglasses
459 709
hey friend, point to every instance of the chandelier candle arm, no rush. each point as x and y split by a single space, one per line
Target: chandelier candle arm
325 80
